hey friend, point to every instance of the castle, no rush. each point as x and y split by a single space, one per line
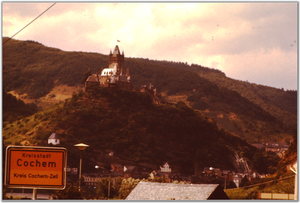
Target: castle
113 76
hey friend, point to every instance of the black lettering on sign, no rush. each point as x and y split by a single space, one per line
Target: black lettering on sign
17 175
32 155
36 163
37 176
54 176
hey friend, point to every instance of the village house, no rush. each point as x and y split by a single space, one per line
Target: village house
72 170
210 171
165 168
210 174
278 148
90 180
237 179
169 174
54 139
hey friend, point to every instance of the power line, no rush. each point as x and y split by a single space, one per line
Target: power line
29 23
262 183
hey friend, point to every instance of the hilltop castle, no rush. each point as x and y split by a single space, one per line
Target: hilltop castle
113 76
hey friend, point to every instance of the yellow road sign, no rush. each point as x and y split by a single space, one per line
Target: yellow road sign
35 167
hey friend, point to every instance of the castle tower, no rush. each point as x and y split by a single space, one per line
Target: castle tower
117 57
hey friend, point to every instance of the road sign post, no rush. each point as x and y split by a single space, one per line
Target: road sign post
35 167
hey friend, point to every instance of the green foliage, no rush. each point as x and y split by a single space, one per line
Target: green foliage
242 193
265 161
127 186
86 75
271 184
283 186
106 189
122 187
70 192
32 68
15 109
4 190
289 156
222 99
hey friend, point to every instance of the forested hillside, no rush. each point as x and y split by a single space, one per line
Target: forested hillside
256 113
15 109
282 104
278 102
29 67
136 129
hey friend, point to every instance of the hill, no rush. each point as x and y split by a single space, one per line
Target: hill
138 131
279 103
253 112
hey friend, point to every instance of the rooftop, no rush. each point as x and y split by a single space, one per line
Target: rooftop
172 191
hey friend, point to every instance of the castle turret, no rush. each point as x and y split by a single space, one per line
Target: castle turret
118 58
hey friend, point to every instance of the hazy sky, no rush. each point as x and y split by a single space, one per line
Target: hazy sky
254 42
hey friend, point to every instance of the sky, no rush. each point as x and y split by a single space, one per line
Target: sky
255 42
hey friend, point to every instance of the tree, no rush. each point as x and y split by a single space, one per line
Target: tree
231 185
70 192
244 181
127 186
104 187
86 75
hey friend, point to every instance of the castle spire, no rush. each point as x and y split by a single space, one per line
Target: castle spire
116 50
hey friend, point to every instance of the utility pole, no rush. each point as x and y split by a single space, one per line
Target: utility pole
108 188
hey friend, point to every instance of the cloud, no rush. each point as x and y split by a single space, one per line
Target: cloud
261 68
248 41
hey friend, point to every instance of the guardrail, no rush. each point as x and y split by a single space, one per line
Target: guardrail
278 196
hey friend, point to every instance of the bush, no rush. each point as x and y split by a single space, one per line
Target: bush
127 186
240 193
70 192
